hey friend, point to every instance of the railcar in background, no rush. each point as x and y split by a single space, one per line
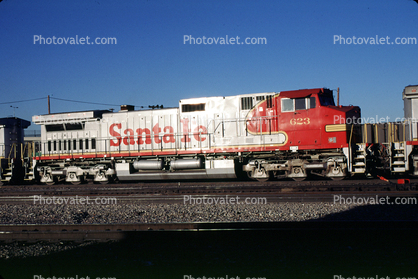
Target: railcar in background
389 148
15 156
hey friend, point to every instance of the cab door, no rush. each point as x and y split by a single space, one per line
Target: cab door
300 119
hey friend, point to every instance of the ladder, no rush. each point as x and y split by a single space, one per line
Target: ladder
398 157
359 159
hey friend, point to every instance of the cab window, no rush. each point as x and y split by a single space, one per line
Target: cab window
312 102
298 104
326 100
288 105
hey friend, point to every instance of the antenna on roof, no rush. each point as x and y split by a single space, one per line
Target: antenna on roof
14 108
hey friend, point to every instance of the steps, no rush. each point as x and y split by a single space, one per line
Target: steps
398 157
359 159
6 173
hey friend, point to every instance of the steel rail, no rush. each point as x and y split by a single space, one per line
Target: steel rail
110 232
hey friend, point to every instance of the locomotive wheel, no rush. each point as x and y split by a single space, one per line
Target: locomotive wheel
263 179
260 178
338 178
79 181
336 171
49 179
299 178
100 178
101 182
298 171
74 178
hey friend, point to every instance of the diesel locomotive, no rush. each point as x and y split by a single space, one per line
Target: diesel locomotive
288 134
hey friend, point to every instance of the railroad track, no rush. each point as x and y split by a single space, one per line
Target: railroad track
208 187
173 192
114 232
307 191
292 197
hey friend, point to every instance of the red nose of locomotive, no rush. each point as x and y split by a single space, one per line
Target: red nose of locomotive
340 125
347 115
308 118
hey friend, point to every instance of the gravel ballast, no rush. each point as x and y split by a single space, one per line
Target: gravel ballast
132 213
135 212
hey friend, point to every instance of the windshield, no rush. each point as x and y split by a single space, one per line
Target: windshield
326 99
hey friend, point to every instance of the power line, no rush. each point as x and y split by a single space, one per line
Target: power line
92 103
60 99
21 101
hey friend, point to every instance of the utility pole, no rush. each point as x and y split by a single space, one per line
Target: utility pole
49 106
338 96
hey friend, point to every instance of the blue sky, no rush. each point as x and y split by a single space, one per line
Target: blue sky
150 64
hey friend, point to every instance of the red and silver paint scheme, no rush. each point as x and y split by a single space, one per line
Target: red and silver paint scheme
282 134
